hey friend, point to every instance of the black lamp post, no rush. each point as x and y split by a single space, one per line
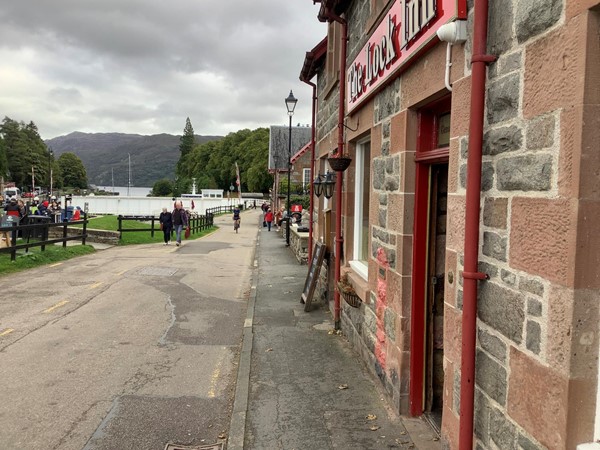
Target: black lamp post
290 103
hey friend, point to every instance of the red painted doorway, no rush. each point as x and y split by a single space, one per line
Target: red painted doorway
429 246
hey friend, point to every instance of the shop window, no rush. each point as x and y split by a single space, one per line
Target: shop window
362 191
305 179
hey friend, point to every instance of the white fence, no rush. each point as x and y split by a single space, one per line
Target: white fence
144 205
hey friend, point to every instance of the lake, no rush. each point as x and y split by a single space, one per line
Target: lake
134 191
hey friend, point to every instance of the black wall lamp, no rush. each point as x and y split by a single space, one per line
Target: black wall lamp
324 184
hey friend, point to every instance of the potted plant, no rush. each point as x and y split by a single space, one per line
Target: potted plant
338 162
348 292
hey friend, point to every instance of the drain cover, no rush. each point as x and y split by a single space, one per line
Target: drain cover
194 447
157 271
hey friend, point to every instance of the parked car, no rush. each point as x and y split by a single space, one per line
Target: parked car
29 194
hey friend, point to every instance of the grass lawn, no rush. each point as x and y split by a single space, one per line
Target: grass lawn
136 237
55 253
36 257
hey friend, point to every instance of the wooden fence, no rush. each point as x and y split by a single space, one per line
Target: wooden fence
197 223
36 235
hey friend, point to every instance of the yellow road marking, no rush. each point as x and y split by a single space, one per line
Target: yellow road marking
95 285
121 273
214 380
55 264
5 332
58 305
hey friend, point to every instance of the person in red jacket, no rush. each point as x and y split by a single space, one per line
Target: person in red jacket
269 218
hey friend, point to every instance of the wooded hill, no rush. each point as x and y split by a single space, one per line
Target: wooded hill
152 157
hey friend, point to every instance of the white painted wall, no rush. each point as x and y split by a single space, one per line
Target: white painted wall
142 206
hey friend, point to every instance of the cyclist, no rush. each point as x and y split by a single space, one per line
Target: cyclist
236 218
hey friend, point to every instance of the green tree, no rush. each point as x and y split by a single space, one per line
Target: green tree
3 160
213 163
162 188
25 151
72 170
187 140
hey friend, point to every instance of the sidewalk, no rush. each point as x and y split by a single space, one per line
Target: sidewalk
300 386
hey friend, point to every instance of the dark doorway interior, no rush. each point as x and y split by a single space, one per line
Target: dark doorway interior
434 373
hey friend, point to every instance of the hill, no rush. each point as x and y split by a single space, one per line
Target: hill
152 157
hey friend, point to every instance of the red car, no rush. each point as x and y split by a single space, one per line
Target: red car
28 194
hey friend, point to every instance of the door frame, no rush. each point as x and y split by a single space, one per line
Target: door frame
428 153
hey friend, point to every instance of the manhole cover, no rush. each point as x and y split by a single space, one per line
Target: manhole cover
157 271
194 447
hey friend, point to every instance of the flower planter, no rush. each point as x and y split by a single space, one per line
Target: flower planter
349 297
339 164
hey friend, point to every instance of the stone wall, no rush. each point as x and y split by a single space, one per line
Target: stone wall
538 313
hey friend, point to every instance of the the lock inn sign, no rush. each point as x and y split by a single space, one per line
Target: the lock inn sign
405 32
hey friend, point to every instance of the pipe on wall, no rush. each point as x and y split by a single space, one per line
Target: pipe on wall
311 207
471 273
339 239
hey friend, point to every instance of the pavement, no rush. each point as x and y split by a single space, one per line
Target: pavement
300 385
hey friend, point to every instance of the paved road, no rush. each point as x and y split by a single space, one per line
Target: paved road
129 348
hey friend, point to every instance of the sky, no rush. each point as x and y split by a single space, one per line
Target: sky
143 66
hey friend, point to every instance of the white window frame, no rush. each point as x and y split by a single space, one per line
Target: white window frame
360 267
306 181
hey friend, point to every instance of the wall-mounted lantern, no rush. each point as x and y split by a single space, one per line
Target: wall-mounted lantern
323 184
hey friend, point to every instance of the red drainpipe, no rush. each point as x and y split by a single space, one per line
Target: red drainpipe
339 239
471 272
312 168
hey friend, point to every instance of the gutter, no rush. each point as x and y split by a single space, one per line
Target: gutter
471 274
339 239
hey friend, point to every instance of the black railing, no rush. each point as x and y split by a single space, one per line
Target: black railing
197 223
39 232
223 209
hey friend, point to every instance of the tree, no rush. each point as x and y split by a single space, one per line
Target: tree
73 171
162 188
24 151
213 163
187 140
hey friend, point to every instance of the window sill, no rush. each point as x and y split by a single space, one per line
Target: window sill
358 281
361 269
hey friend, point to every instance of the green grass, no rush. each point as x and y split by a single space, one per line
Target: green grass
36 257
136 237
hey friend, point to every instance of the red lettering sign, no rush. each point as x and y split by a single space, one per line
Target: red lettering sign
400 38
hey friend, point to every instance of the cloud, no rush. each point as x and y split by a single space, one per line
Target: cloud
143 67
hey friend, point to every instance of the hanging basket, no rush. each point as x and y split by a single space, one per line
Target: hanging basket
339 164
351 298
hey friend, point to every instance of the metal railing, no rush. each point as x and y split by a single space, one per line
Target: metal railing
223 209
39 233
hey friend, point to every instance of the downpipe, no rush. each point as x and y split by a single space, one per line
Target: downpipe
311 207
339 239
471 274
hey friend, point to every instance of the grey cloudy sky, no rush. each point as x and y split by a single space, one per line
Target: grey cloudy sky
143 66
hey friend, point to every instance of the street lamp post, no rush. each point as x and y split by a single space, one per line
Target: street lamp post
290 103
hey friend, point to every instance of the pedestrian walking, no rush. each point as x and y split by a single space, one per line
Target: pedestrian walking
166 224
180 221
269 218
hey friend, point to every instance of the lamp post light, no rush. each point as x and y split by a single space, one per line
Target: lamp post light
290 103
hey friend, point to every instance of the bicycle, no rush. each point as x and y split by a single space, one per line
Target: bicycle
236 225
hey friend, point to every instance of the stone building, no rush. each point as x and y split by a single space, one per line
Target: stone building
404 204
